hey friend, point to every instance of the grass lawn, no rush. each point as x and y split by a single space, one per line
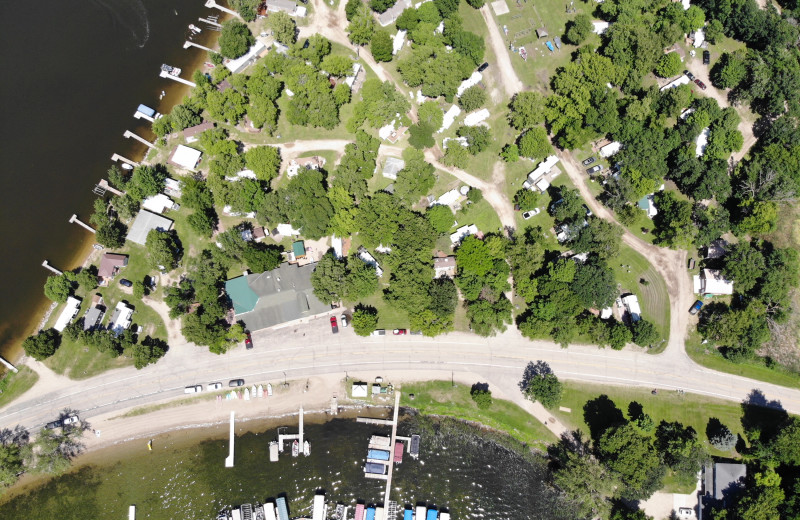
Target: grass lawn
14 385
709 357
389 317
629 268
443 398
481 214
78 361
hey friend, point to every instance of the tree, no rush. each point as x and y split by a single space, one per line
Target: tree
336 65
761 498
421 136
486 316
260 258
430 114
474 257
351 8
361 279
526 199
204 222
545 388
365 319
265 161
381 46
579 29
510 153
644 333
474 195
195 194
235 38
147 181
111 234
468 44
669 65
600 237
720 436
380 6
482 396
407 20
527 110
42 345
478 138
631 455
594 284
785 447
328 278
744 264
314 49
284 27
58 288
585 482
163 250
680 447
441 218
415 179
714 30
148 352
472 99
361 27
729 71
535 144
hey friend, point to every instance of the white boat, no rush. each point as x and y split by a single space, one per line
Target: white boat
253 392
126 166
269 388
195 29
295 448
246 394
306 448
260 391
172 71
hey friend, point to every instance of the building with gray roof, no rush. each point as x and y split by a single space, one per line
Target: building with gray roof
146 222
271 298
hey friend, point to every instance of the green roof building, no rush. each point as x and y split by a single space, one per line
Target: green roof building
243 297
299 250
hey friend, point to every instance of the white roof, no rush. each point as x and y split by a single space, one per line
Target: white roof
712 282
123 315
70 311
449 117
470 81
599 26
244 174
701 142
686 113
543 168
351 79
682 80
448 198
398 40
475 118
685 4
610 149
542 184
439 28
392 165
336 244
157 203
186 157
699 37
172 185
241 62
463 232
360 389
461 140
145 222
286 230
383 249
606 313
365 255
385 132
631 303
318 511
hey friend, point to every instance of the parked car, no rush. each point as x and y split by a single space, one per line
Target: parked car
378 332
334 326
416 333
588 161
248 341
52 425
399 332
72 419
531 213
700 84
696 307
125 282
483 67
594 169
193 389
588 211
706 57
236 382
344 320
689 75
213 386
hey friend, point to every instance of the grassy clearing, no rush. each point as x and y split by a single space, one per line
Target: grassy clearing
443 398
481 214
757 369
78 361
144 410
14 385
689 409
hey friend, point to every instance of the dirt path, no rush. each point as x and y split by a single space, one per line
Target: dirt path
509 79
671 265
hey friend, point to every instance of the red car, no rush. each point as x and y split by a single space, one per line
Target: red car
700 84
334 326
399 332
248 341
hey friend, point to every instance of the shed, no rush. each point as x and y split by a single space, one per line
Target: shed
359 389
185 157
610 149
146 222
158 203
449 117
541 32
631 303
463 232
475 118
69 312
711 282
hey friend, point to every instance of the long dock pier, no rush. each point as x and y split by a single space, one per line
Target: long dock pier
229 458
210 22
211 4
370 420
8 364
188 44
139 138
117 157
292 436
75 220
50 268
139 115
176 78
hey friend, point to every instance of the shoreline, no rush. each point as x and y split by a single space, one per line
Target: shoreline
83 251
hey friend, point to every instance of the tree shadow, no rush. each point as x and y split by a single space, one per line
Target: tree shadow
479 387
713 427
600 414
539 368
635 410
762 419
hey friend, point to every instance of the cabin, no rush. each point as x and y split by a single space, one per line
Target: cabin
185 157
391 166
462 233
710 282
444 267
110 264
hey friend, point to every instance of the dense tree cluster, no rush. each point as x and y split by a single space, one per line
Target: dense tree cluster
483 279
235 38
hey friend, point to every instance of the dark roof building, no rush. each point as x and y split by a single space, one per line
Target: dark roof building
110 264
275 297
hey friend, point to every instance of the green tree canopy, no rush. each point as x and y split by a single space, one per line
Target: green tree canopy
381 46
535 144
364 320
58 288
235 38
579 29
163 250
669 65
265 161
634 458
284 27
441 218
43 344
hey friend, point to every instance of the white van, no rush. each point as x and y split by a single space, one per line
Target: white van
193 389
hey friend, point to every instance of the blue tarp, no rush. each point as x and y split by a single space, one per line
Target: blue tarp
378 454
432 514
408 514
549 45
370 513
146 110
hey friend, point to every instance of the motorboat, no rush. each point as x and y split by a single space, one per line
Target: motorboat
172 71
295 448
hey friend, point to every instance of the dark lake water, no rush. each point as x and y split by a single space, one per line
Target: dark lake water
74 73
469 472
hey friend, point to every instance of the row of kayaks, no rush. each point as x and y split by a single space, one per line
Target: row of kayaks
253 392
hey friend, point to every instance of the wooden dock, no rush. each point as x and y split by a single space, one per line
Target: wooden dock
139 115
188 44
210 22
117 157
107 187
167 75
50 268
139 138
74 219
211 4
229 458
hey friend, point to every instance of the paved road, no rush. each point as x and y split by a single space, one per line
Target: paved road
311 349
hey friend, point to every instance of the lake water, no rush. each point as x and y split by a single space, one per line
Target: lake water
474 474
75 71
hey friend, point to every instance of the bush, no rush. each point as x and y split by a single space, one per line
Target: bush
526 199
669 65
440 217
472 99
42 345
57 288
381 46
720 436
510 153
234 39
578 29
365 319
474 195
546 389
481 396
644 333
